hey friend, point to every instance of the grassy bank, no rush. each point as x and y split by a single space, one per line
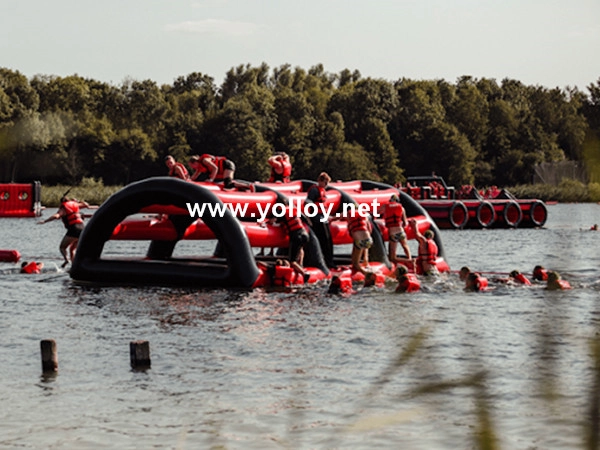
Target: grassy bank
90 190
569 191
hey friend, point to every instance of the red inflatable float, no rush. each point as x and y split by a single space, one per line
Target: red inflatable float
10 256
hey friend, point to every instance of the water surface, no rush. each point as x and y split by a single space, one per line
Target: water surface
302 369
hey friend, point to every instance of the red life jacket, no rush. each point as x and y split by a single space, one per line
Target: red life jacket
284 276
291 224
186 175
218 161
522 279
561 284
430 254
481 284
322 197
564 284
73 215
358 223
393 215
408 283
32 267
284 176
540 274
287 171
341 284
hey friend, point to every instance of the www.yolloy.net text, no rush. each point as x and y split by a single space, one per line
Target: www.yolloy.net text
279 210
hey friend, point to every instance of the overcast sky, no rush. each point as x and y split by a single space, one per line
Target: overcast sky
538 42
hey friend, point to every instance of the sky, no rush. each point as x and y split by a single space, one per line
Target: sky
548 43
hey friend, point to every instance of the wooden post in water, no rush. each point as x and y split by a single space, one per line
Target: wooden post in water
139 351
49 356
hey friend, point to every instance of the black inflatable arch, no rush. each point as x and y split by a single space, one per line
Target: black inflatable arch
239 270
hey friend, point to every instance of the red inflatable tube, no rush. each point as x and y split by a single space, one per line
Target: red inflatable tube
10 255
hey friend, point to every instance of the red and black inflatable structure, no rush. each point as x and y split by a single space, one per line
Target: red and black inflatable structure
468 208
155 210
20 199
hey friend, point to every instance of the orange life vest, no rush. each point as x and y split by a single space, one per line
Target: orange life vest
322 197
186 175
32 267
284 176
393 215
73 215
408 283
341 284
481 283
284 276
561 284
358 223
291 224
430 253
218 161
522 279
540 274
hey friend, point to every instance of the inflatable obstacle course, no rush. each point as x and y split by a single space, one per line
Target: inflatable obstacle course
161 211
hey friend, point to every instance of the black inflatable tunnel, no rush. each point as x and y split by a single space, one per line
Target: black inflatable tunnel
239 269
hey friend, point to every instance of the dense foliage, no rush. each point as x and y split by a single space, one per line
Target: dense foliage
477 131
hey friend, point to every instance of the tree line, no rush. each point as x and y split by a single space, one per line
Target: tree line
475 131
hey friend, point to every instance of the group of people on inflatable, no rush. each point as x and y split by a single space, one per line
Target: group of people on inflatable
213 168
219 168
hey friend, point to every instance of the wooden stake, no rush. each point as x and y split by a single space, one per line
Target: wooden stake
49 356
139 351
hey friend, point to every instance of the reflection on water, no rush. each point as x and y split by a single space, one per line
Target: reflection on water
515 366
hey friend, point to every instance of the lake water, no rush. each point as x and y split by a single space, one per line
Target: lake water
303 369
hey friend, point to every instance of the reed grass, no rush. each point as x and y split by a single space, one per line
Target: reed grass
90 190
568 191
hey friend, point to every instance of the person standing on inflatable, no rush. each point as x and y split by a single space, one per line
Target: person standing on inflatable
317 194
281 168
428 250
396 222
218 168
359 228
298 238
73 222
176 169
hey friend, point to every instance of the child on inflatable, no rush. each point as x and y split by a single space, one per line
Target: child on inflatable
428 251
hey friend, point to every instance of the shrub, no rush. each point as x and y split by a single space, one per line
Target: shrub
91 190
594 192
